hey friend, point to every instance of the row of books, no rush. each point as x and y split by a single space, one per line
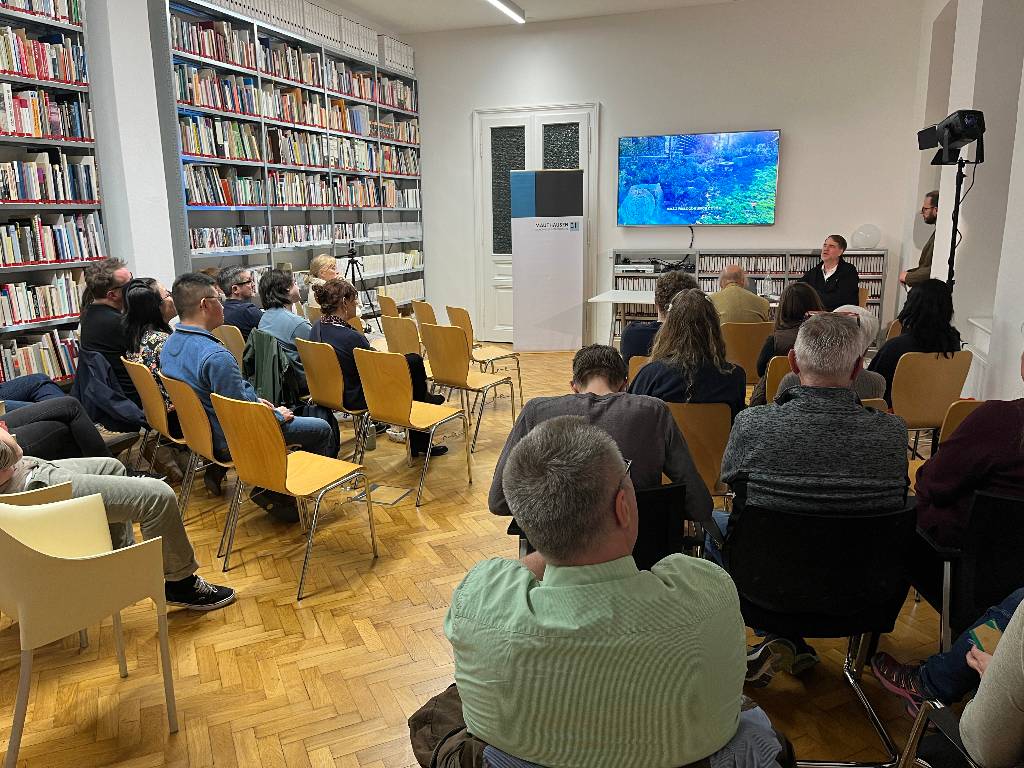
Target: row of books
864 264
26 303
293 105
59 10
54 353
377 263
301 189
350 118
358 192
212 185
768 263
52 238
353 154
341 78
213 238
40 114
393 196
283 60
214 40
400 160
351 230
296 234
204 87
406 291
46 57
394 230
396 130
37 176
297 147
396 93
219 137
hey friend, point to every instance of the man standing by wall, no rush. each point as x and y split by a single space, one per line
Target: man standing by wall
923 270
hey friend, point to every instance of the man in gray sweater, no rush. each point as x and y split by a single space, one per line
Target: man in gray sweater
641 426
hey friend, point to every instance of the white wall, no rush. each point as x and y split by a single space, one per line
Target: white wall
838 79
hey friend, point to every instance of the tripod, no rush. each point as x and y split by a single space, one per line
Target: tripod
354 274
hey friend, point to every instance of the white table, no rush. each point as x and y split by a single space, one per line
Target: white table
618 299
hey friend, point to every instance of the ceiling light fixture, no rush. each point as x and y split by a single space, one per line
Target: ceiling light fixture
510 9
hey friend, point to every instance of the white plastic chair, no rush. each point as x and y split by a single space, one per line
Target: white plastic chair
58 574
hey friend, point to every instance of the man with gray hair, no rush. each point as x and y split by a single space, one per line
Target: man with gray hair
239 287
815 449
735 304
574 656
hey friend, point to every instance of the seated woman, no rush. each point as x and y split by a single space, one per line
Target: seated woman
278 293
688 362
797 300
148 309
337 300
927 327
321 269
867 384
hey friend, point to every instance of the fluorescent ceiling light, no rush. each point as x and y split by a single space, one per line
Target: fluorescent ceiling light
510 9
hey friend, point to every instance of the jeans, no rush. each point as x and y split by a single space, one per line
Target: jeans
143 500
946 676
27 389
56 428
720 518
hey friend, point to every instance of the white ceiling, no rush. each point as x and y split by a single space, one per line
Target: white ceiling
411 16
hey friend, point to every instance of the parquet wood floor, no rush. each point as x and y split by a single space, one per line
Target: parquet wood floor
330 682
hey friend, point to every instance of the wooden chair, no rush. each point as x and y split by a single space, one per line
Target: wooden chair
743 342
863 294
955 415
313 313
155 410
895 329
388 306
45 495
705 427
401 335
925 385
387 386
327 385
946 723
356 324
231 338
449 363
424 313
484 356
59 573
636 362
778 367
262 460
878 403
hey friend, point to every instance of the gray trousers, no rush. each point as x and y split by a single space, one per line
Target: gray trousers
143 500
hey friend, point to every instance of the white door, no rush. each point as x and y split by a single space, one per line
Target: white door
518 139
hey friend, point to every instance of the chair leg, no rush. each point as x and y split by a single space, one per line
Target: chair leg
235 501
369 514
141 447
426 463
408 447
309 543
519 373
20 710
165 664
231 523
483 402
122 662
186 484
945 634
465 432
83 639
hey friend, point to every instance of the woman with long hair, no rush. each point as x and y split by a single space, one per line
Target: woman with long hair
796 301
148 308
927 320
688 362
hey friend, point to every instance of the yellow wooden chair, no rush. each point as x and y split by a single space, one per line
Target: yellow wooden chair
705 427
401 335
424 313
863 294
45 495
59 572
878 403
743 342
955 415
231 337
355 324
449 363
484 356
262 460
636 362
388 306
895 329
778 367
387 386
924 385
327 385
312 313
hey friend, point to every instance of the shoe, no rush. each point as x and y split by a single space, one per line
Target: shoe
380 427
396 434
279 506
142 473
904 680
764 660
197 594
117 442
804 659
213 476
437 399
436 450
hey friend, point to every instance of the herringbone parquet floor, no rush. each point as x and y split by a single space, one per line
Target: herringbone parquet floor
331 681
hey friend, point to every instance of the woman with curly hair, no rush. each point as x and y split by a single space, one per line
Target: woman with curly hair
688 362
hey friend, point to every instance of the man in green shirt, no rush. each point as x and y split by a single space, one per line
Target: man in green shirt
574 656
923 270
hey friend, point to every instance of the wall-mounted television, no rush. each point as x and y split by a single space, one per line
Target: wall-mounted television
698 178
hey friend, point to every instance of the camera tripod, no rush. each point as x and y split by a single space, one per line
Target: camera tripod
354 274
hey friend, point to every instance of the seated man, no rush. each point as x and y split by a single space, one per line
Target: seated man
101 327
816 450
575 657
641 426
58 428
638 338
239 287
736 304
194 355
149 502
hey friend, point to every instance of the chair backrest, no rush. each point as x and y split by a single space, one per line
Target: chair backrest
152 399
192 418
401 334
448 353
424 313
661 516
387 385
388 306
926 384
705 427
323 373
231 337
45 495
992 566
743 342
957 412
255 442
312 313
778 367
636 362
878 403
459 317
895 329
862 297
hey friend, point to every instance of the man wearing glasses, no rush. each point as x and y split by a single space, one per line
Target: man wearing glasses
923 270
101 327
239 286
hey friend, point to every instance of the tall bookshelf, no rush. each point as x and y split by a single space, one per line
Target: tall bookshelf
51 223
318 147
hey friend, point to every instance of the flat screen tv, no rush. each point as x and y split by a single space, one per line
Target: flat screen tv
698 178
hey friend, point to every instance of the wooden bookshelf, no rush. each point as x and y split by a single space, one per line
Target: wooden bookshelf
335 167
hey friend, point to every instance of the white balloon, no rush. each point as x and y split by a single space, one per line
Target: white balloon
866 236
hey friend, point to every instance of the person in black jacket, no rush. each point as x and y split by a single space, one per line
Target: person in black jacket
835 279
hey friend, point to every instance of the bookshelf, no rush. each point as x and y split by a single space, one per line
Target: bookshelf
284 137
51 222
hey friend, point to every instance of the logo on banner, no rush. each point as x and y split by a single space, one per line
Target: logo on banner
547 226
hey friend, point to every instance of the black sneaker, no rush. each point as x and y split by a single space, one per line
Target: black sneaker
279 506
436 450
380 427
143 473
197 594
771 655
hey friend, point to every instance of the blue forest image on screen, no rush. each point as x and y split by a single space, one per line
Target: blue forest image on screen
701 178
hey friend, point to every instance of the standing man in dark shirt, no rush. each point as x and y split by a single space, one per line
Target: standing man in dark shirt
101 327
835 279
923 270
239 286
638 338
